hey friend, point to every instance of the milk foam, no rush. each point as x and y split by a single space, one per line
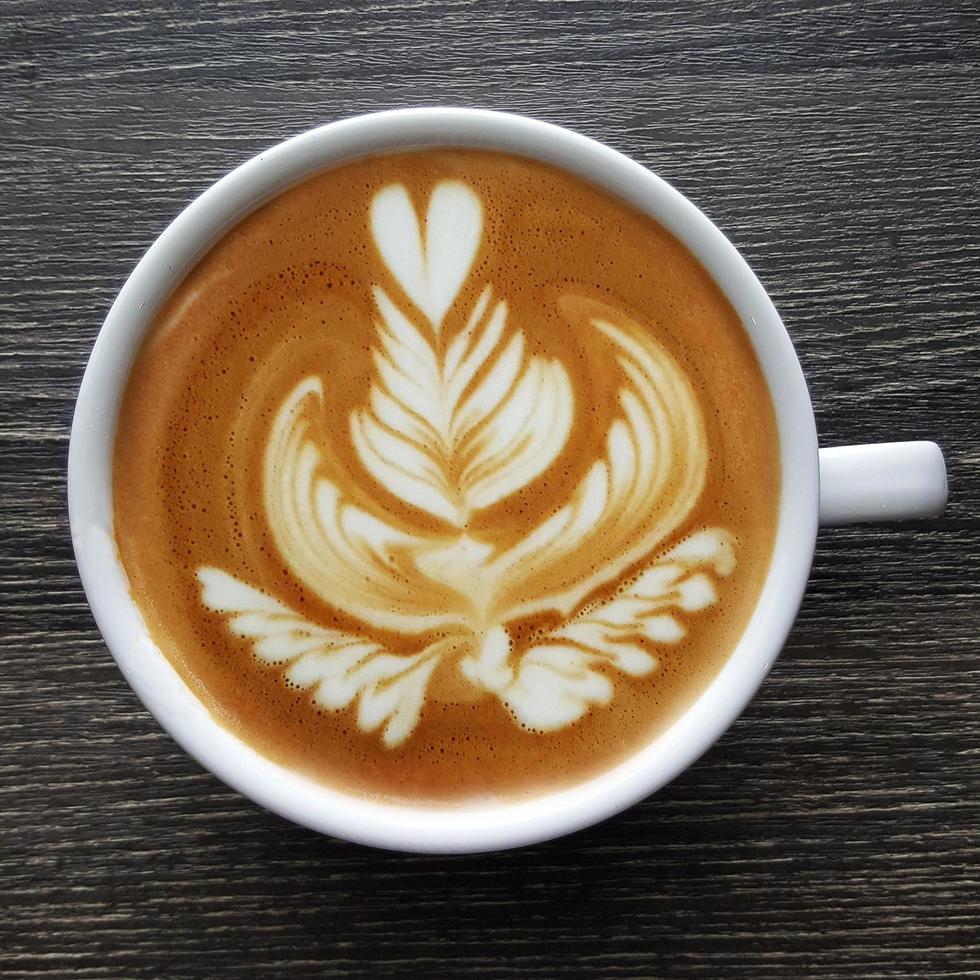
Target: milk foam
453 426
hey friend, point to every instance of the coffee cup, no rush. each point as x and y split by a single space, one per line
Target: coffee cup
829 486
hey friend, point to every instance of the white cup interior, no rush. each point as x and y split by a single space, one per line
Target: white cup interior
475 826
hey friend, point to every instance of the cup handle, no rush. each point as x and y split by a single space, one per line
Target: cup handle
888 481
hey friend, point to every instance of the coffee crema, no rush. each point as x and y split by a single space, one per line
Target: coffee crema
445 476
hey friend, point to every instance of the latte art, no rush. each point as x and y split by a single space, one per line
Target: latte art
434 489
453 427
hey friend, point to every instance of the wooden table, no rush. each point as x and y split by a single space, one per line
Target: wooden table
833 832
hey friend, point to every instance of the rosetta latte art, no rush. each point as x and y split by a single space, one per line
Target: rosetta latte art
452 426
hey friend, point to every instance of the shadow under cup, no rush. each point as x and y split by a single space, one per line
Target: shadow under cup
471 827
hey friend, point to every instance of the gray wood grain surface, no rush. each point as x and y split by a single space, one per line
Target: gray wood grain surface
833 832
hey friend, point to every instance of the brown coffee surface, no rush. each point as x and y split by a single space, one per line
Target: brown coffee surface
519 557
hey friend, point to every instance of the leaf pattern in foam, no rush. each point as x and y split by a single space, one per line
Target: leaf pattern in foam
455 433
431 263
556 682
454 425
340 667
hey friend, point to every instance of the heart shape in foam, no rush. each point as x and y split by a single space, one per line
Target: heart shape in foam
430 264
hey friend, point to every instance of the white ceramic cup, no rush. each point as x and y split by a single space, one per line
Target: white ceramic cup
879 482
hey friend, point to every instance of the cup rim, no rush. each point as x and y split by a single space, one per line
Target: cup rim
471 827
